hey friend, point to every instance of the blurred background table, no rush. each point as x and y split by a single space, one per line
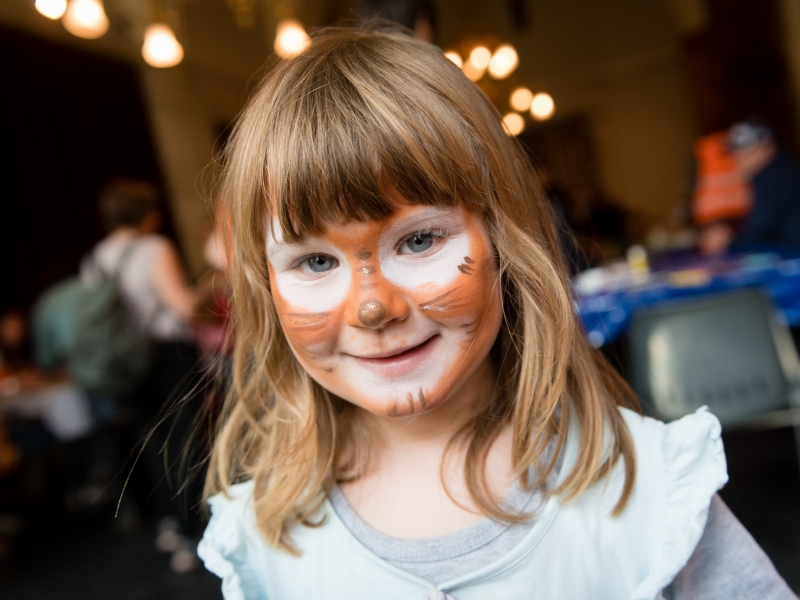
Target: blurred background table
609 296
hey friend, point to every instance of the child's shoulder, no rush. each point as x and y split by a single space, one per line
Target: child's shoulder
685 457
697 434
225 545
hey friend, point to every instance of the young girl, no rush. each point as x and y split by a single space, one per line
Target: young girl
414 412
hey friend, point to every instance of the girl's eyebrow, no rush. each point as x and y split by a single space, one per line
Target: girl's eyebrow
278 247
449 214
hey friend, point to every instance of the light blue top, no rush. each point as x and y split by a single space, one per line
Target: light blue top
575 549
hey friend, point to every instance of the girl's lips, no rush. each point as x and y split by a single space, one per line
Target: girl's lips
400 364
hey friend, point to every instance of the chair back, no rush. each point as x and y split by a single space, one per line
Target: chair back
727 352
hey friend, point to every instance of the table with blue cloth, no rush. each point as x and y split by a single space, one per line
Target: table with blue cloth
608 298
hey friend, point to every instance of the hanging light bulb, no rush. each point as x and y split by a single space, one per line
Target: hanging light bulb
291 38
513 123
521 99
542 106
472 72
52 9
503 62
480 57
160 48
454 57
86 19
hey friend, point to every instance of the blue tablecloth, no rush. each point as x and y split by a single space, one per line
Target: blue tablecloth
606 314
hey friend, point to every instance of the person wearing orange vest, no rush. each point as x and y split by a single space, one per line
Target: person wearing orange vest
774 178
722 196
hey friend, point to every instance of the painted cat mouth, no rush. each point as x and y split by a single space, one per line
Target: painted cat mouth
397 353
399 362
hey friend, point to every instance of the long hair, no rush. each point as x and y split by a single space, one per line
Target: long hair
326 134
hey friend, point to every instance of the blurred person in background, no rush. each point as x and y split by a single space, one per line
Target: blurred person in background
721 194
775 181
154 284
46 447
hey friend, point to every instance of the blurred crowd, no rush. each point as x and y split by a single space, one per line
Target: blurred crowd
105 380
742 193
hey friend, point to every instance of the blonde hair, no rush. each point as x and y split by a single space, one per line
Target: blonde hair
327 133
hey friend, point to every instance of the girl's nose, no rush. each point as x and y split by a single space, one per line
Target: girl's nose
374 303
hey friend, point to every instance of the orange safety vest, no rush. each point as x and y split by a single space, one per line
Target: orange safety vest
721 192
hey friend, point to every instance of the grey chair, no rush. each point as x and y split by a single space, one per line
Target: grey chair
727 352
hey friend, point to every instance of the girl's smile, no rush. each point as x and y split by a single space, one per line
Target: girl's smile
400 361
392 315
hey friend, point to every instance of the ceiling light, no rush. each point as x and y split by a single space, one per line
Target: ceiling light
52 9
503 62
454 57
86 19
513 123
161 49
291 38
472 72
521 99
480 57
542 106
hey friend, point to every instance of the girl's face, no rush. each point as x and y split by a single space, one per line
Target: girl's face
392 315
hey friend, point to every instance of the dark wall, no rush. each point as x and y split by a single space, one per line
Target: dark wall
69 121
737 69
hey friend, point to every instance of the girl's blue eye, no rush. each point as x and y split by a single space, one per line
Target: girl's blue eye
321 263
419 242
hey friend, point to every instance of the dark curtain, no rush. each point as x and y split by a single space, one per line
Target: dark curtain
69 121
736 69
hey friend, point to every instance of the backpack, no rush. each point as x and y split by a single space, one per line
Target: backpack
91 328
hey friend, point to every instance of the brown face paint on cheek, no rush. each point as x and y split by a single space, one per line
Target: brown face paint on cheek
308 320
465 266
486 275
306 331
446 302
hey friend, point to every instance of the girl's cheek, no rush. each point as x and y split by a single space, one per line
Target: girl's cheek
317 296
312 336
309 312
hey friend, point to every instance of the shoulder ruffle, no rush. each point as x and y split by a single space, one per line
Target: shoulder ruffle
695 470
223 548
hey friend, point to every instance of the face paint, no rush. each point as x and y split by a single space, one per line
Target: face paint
391 315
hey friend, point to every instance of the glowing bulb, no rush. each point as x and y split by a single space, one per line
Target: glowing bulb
86 19
521 99
513 123
454 57
291 38
504 61
542 106
52 9
160 48
472 72
480 57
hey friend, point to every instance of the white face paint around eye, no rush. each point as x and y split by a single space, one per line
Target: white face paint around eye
439 265
295 278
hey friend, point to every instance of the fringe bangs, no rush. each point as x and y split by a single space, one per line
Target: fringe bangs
342 140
